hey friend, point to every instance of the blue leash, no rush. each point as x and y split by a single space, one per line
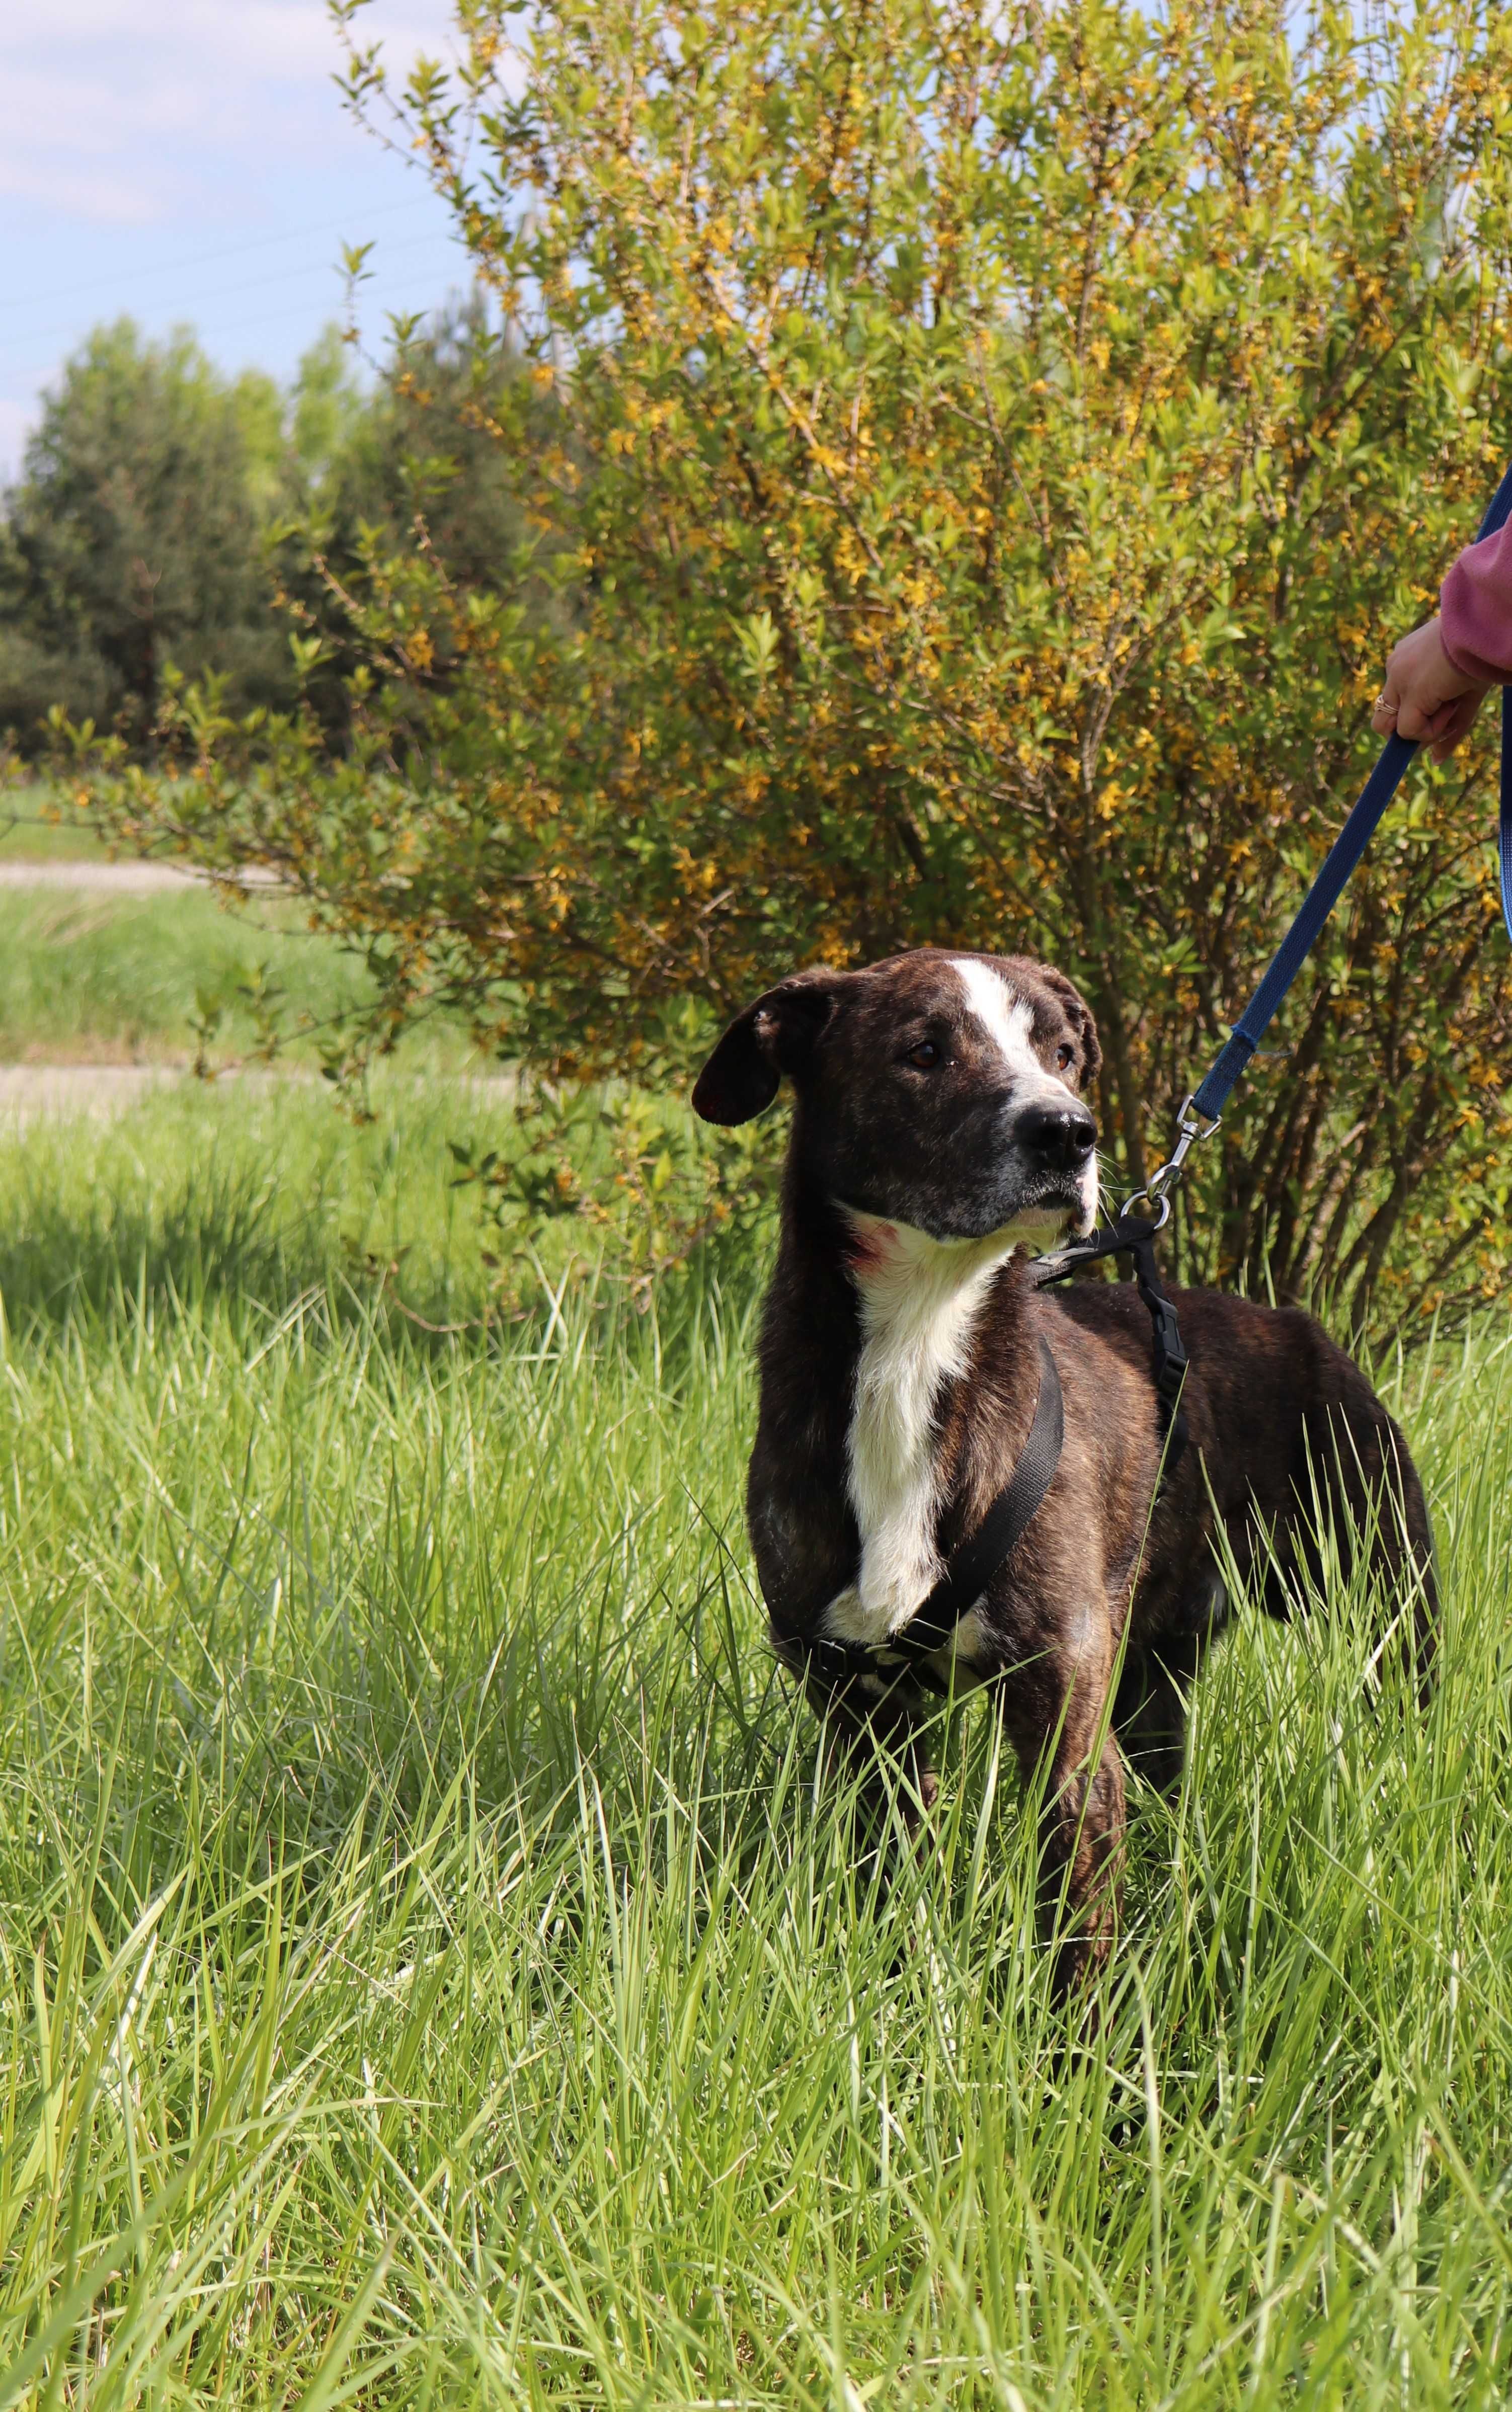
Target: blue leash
1199 1115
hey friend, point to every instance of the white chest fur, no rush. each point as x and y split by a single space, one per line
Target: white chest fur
920 1300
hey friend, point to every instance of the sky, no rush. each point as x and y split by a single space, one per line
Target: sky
190 162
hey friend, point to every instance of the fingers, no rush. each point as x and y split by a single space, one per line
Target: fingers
1455 723
1415 675
1424 698
1414 723
1387 704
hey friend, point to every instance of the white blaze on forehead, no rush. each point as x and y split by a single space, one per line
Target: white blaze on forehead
1006 1018
1009 1020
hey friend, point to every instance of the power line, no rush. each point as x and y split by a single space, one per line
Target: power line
199 258
226 333
242 325
252 284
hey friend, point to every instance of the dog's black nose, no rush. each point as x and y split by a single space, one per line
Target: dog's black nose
1060 1138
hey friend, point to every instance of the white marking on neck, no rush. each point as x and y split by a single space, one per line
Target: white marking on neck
920 1300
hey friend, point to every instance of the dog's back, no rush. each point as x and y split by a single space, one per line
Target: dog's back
1292 1441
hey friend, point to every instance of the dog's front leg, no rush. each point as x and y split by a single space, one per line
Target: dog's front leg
1082 1822
871 1716
863 1716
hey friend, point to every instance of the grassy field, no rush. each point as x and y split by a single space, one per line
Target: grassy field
99 979
33 828
435 1975
87 976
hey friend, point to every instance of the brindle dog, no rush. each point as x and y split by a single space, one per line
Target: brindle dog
938 1130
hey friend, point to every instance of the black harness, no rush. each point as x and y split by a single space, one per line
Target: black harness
973 1562
1133 1235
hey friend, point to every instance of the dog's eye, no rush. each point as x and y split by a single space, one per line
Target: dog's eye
925 1056
1065 1057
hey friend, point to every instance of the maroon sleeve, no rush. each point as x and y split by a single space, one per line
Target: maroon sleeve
1476 610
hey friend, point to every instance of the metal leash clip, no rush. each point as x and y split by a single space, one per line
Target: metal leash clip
1191 1127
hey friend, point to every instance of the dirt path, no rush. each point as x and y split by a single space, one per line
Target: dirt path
117 878
29 1092
96 1090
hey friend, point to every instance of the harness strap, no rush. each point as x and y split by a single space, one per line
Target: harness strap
1133 1235
971 1564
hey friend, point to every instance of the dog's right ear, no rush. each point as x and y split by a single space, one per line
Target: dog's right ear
773 1036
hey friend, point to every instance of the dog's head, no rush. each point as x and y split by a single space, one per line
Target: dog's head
939 1090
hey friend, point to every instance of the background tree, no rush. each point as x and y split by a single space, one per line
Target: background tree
166 513
132 538
415 462
425 447
989 451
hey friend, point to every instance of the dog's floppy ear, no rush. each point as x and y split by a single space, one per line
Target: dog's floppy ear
1080 1015
773 1036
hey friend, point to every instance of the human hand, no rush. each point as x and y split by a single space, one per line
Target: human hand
1424 697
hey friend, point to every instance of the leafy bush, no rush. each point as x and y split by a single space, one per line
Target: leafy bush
985 456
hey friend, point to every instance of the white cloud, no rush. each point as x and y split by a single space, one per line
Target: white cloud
189 161
106 108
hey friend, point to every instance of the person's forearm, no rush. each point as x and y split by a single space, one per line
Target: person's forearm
1476 611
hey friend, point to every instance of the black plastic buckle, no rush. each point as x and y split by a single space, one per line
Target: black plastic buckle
835 1663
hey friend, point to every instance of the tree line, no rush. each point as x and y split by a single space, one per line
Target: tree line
172 523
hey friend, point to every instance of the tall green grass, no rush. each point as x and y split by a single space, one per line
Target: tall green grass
435 1974
256 1199
105 978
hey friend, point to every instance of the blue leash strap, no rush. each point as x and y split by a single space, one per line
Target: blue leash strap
1211 1098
